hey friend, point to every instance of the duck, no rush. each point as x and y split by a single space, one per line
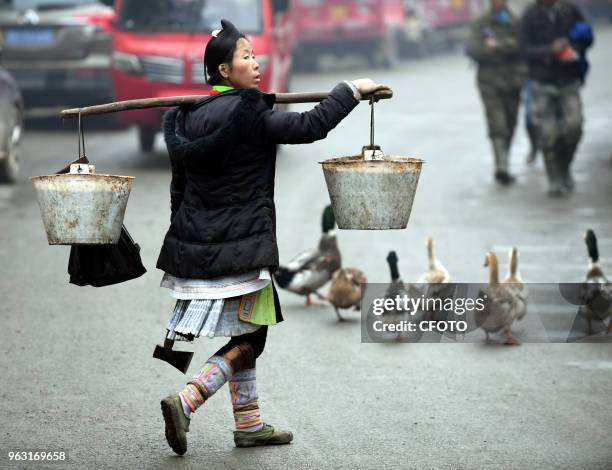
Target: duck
595 291
434 283
398 288
500 305
345 290
309 271
514 281
436 273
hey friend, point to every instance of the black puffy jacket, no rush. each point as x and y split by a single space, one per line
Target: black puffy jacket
223 155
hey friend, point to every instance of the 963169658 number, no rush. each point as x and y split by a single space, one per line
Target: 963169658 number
47 456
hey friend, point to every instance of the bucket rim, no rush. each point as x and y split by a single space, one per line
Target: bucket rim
358 159
88 175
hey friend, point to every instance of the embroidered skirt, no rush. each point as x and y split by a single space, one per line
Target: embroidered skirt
207 317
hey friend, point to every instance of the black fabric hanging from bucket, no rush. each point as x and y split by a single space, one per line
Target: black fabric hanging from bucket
103 265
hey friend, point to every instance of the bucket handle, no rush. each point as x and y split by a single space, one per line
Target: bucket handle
81 137
371 152
372 121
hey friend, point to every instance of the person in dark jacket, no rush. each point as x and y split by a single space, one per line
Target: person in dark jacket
220 249
493 44
556 71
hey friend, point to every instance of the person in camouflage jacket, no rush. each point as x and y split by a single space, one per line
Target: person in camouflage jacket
494 45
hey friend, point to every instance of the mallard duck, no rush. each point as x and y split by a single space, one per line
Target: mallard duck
310 270
514 282
501 305
596 290
398 288
345 289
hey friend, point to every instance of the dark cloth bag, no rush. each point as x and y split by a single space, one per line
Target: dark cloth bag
103 265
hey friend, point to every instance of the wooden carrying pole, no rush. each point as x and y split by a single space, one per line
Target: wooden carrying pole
169 101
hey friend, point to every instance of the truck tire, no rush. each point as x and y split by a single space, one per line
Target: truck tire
146 138
9 166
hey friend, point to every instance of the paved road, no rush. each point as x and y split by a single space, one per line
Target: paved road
77 371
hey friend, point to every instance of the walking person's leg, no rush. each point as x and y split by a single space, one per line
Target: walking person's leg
529 126
251 430
228 363
544 113
493 102
571 119
177 408
512 101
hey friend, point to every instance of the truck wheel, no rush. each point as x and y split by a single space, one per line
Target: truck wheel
9 166
146 137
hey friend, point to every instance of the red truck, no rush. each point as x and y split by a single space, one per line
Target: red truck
342 27
433 23
158 49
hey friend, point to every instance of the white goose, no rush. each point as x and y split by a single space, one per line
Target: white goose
436 273
516 284
501 305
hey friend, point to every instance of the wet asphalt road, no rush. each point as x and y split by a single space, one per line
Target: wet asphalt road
76 362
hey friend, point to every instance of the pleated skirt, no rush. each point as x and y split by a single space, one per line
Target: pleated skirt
207 317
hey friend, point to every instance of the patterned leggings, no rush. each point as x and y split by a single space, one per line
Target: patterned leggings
242 351
234 362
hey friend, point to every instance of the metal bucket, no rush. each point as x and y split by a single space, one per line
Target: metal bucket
82 208
372 194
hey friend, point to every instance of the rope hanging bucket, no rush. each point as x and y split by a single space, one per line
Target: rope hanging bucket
372 191
82 207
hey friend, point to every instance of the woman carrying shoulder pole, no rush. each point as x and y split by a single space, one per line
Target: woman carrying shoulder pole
220 249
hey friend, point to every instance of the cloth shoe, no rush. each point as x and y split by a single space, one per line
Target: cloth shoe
264 437
177 424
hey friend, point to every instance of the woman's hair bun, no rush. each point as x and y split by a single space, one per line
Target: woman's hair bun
220 49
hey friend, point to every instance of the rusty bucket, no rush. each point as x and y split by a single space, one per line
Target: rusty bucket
372 191
81 207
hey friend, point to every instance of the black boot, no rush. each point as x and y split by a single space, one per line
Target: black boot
500 150
566 152
556 187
